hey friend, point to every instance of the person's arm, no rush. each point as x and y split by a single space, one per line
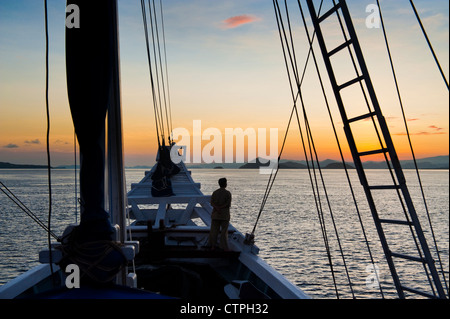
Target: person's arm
213 201
226 205
228 202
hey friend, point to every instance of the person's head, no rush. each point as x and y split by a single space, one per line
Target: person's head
223 182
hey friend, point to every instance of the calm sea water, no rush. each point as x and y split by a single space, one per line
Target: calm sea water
288 234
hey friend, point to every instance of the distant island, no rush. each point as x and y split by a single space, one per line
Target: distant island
437 162
296 165
288 165
339 165
20 166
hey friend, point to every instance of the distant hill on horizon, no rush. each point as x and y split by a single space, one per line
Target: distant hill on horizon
20 166
435 162
282 164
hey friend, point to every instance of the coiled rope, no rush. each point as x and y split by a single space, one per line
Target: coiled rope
100 260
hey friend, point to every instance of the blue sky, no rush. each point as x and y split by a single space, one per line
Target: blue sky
224 75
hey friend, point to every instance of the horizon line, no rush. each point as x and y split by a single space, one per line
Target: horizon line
214 163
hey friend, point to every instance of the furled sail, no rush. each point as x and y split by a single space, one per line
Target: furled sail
91 58
89 84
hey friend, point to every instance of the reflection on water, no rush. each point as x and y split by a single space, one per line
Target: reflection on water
288 233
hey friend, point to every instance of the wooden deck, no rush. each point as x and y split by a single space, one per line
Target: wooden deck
186 192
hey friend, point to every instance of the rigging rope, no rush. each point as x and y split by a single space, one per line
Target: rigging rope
75 174
410 142
288 45
152 28
157 120
48 134
158 72
5 190
167 72
429 43
161 69
271 181
312 148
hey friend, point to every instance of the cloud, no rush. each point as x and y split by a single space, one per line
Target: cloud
432 130
429 133
389 118
11 145
421 133
237 21
36 141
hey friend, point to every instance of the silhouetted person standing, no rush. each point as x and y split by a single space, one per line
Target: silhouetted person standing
220 217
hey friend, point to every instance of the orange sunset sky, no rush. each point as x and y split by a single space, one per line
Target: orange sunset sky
226 69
